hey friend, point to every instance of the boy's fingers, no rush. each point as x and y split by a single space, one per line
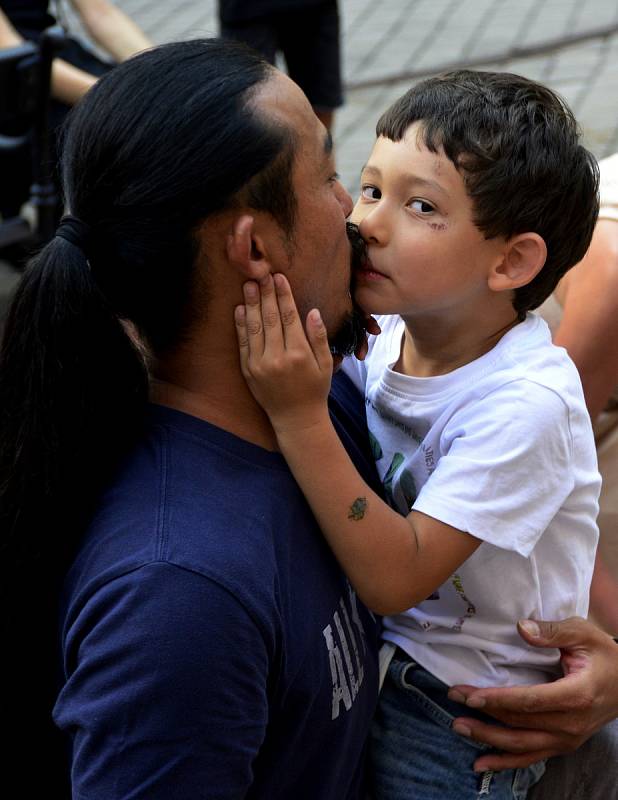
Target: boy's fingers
372 326
253 318
318 339
240 319
293 332
271 318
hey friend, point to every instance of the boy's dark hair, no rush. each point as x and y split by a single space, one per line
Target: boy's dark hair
517 146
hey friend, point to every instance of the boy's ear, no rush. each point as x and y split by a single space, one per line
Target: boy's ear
246 250
523 258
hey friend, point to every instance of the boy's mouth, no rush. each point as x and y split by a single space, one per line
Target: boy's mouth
367 271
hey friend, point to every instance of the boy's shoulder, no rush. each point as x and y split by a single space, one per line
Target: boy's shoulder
525 360
526 350
527 353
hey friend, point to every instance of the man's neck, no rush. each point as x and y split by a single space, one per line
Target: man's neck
210 386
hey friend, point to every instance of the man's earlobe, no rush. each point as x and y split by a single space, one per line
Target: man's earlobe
245 249
523 258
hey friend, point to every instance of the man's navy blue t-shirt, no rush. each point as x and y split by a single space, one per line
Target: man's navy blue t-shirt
212 647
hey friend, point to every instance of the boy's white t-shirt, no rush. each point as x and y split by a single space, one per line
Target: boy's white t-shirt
503 449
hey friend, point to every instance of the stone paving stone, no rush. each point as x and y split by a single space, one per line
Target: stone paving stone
583 74
382 38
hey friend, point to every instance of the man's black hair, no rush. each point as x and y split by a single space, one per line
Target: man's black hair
159 144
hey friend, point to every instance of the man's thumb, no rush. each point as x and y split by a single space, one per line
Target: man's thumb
566 633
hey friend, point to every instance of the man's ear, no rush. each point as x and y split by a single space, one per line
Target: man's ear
246 249
523 258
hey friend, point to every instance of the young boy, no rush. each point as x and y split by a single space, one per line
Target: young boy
476 199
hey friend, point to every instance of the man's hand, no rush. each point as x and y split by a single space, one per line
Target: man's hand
551 718
289 373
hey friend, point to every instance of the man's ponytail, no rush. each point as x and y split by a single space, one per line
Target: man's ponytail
72 391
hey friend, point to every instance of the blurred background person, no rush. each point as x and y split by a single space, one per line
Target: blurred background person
306 32
583 316
73 73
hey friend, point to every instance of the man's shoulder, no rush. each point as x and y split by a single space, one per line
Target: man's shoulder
202 500
195 496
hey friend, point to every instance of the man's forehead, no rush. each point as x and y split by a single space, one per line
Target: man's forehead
281 100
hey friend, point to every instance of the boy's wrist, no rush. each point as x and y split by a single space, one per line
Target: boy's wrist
301 429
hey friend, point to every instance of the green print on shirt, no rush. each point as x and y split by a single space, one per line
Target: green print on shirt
387 481
405 484
376 448
408 487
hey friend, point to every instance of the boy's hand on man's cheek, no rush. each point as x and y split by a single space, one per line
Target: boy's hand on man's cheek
372 327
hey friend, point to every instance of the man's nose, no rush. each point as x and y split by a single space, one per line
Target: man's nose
346 202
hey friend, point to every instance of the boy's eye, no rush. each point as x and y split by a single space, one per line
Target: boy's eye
370 192
421 206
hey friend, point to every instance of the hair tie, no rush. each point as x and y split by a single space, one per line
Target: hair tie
73 230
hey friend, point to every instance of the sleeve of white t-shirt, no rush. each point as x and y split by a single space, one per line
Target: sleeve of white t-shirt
505 467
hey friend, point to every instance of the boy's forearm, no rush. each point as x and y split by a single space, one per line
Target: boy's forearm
375 545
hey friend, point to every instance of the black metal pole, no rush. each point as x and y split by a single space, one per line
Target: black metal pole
44 192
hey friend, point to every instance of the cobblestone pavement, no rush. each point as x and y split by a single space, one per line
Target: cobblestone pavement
572 45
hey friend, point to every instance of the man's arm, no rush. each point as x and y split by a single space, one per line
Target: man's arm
166 688
111 28
550 718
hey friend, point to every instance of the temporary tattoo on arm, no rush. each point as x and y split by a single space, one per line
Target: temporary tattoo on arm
358 508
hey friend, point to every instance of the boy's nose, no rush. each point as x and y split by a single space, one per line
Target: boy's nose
373 227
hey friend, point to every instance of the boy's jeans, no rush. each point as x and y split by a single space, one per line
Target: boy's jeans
415 755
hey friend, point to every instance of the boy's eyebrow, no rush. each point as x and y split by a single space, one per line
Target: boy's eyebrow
409 178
